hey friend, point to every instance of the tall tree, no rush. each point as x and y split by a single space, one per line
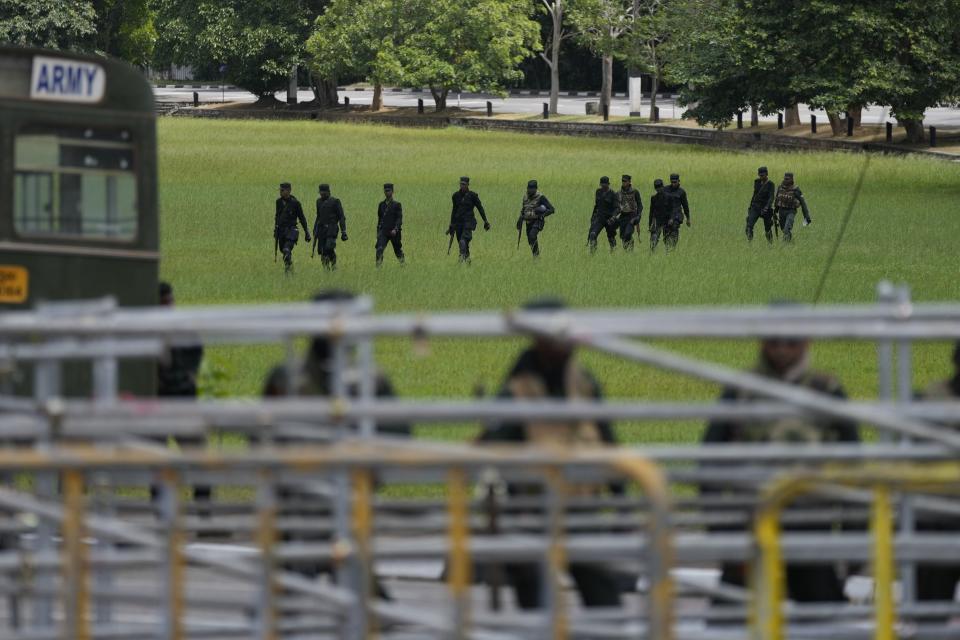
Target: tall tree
361 38
648 30
257 41
50 24
558 33
125 29
472 45
600 25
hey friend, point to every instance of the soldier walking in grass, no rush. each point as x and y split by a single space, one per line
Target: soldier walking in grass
680 194
666 216
389 225
330 218
285 232
606 208
534 209
789 198
463 221
761 205
631 207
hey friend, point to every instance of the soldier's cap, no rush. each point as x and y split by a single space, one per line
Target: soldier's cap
165 289
674 177
284 185
788 174
547 303
626 178
604 180
762 171
464 180
531 184
388 186
324 187
657 183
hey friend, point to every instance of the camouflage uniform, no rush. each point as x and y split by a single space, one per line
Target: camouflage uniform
807 582
530 379
789 198
534 209
631 208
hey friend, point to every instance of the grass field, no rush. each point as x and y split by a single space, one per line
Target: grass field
218 182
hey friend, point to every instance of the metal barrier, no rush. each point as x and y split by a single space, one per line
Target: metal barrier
353 549
770 577
301 503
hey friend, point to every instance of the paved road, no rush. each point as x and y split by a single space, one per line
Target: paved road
569 105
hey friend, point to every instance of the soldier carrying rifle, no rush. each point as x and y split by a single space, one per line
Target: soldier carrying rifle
534 209
285 232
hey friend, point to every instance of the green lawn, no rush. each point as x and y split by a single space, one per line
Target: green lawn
218 182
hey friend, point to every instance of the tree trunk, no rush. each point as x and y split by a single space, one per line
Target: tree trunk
439 98
606 88
557 15
324 91
855 111
377 103
791 116
914 129
754 116
838 125
654 85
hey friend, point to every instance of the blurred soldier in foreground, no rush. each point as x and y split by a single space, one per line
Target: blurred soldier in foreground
548 370
285 233
787 360
789 198
311 377
329 219
606 207
389 225
938 582
680 194
534 209
761 205
177 378
666 216
631 207
463 222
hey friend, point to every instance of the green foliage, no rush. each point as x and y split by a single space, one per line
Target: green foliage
125 29
601 23
219 168
50 24
471 45
259 40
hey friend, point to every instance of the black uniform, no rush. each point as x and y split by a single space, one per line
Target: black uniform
463 222
806 582
530 379
389 229
680 194
606 208
666 216
631 208
788 199
533 210
285 231
761 206
330 218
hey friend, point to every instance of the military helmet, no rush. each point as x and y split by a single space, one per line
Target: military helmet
604 180
532 184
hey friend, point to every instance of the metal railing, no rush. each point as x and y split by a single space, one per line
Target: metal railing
705 529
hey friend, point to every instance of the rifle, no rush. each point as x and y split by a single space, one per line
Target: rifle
776 223
450 244
313 245
519 234
276 242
